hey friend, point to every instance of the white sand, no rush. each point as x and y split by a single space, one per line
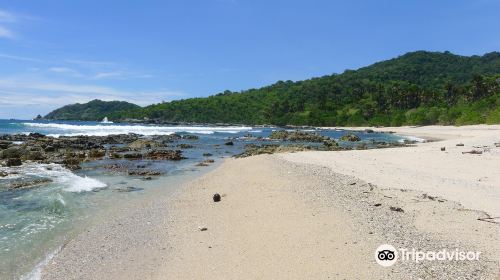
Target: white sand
283 218
472 180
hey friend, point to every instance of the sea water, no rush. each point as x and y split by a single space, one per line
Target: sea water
36 222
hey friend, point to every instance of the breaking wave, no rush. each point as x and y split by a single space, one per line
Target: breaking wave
61 176
57 130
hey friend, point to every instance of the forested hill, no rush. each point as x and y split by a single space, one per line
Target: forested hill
92 111
415 88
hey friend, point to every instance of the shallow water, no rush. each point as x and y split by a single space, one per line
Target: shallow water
37 221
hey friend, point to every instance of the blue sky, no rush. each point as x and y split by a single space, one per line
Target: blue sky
54 53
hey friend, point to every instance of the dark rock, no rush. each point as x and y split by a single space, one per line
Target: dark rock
72 161
5 144
144 143
165 155
49 149
144 173
426 196
369 130
14 162
73 167
229 143
205 162
474 152
13 152
3 174
350 137
252 149
185 146
35 155
377 204
202 228
120 149
396 209
298 136
190 137
36 135
216 197
330 144
115 156
129 189
460 145
409 142
97 153
29 184
207 155
132 156
362 146
443 148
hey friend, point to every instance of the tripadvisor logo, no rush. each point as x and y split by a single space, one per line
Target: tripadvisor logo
386 255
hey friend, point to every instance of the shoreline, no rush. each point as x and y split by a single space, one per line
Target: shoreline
431 132
289 215
452 173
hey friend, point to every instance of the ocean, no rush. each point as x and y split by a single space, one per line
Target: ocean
36 222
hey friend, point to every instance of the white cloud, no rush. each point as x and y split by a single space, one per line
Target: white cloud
104 75
6 33
90 63
18 92
7 17
61 70
84 69
21 58
66 71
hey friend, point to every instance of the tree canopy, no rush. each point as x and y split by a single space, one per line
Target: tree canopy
417 88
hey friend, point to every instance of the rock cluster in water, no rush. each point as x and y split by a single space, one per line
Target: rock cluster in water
311 141
351 137
72 151
301 136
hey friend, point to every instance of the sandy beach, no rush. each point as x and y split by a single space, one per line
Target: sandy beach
310 215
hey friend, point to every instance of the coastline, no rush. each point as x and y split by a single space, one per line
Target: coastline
471 179
432 132
296 215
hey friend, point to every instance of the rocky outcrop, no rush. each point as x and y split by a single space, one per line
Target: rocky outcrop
302 136
14 162
72 151
350 137
205 162
297 135
252 149
13 152
164 155
144 144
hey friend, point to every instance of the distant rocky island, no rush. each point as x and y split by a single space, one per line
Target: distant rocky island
418 88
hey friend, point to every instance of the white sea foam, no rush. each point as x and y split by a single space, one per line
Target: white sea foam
104 130
412 138
36 273
61 176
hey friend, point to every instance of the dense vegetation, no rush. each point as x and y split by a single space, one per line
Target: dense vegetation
416 88
91 111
